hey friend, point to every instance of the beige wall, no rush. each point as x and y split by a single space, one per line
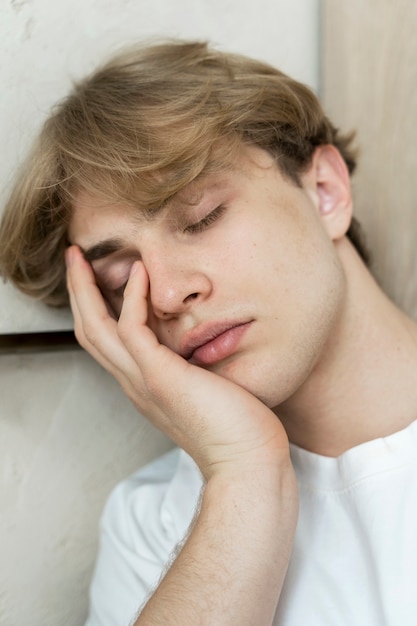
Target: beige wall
370 84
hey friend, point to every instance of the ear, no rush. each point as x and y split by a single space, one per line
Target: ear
328 182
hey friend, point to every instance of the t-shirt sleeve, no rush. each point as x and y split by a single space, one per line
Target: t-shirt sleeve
144 519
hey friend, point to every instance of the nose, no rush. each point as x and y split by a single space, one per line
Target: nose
175 285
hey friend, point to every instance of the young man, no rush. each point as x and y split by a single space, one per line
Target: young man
203 201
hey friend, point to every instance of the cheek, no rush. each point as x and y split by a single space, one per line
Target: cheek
317 302
304 295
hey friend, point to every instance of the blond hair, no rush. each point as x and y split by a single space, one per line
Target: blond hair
139 130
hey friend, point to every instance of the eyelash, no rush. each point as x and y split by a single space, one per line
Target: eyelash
198 227
206 221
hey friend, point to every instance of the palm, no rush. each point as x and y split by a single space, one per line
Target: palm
212 418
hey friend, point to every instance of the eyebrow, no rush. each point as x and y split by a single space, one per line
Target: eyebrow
192 196
102 249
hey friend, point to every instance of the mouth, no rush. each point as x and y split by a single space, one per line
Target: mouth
207 345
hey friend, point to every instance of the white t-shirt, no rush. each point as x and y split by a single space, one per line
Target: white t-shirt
354 560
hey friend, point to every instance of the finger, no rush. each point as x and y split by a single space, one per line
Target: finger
134 313
136 293
78 330
95 328
139 339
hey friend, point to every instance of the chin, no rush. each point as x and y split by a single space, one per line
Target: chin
252 378
266 379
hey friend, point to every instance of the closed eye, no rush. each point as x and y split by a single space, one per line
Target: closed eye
112 274
119 292
206 221
114 299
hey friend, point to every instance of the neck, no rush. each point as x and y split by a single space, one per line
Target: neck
364 385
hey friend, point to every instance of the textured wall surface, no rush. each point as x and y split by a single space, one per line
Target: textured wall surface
67 434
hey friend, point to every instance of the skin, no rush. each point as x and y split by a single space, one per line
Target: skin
276 263
269 228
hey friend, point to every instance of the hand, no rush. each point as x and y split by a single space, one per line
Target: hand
221 425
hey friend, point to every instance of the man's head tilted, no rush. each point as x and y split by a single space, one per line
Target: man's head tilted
138 131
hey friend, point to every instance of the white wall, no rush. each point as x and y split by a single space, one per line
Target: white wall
67 434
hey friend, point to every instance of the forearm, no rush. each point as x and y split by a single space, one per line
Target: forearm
232 567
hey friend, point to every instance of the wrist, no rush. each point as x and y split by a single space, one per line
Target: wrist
245 463
271 484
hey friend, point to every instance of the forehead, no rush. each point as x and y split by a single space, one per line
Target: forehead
95 218
94 215
90 211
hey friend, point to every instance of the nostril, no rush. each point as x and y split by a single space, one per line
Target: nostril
191 296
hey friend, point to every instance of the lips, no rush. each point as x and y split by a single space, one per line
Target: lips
210 343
